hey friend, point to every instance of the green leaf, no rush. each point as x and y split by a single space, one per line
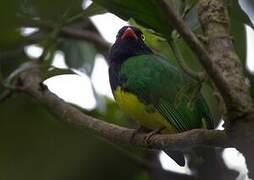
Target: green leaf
93 9
188 10
214 103
189 57
157 43
52 11
237 29
57 71
207 89
190 3
191 18
15 14
245 15
145 12
79 55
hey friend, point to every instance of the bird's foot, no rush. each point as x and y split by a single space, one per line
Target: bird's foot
140 129
152 133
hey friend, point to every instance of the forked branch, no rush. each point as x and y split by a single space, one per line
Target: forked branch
225 71
31 84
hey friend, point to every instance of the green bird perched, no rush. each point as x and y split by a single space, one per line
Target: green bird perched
152 91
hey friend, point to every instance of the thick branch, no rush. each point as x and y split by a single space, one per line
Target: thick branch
213 17
31 84
237 98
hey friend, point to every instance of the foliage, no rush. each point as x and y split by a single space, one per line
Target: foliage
37 146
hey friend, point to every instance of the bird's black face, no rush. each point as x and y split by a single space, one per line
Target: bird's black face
129 42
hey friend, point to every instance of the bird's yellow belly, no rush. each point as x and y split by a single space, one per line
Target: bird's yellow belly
146 116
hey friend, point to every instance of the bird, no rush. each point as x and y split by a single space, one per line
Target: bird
150 90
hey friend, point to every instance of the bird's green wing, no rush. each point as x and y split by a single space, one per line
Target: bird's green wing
155 82
174 116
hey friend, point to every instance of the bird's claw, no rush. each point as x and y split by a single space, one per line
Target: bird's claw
148 137
141 129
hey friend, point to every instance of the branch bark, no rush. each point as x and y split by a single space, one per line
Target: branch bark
214 19
224 67
227 75
31 84
5 95
75 33
213 16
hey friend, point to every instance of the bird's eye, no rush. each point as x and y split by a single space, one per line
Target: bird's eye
142 37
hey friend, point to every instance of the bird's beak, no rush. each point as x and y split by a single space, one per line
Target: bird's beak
129 33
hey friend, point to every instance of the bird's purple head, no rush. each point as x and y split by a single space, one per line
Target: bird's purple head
129 42
129 33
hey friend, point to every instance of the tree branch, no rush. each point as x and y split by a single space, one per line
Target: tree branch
5 95
98 41
31 84
199 76
213 16
236 97
76 33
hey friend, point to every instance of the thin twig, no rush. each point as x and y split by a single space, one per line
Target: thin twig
50 43
232 96
5 95
199 76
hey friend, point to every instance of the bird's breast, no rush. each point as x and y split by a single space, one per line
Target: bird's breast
140 112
